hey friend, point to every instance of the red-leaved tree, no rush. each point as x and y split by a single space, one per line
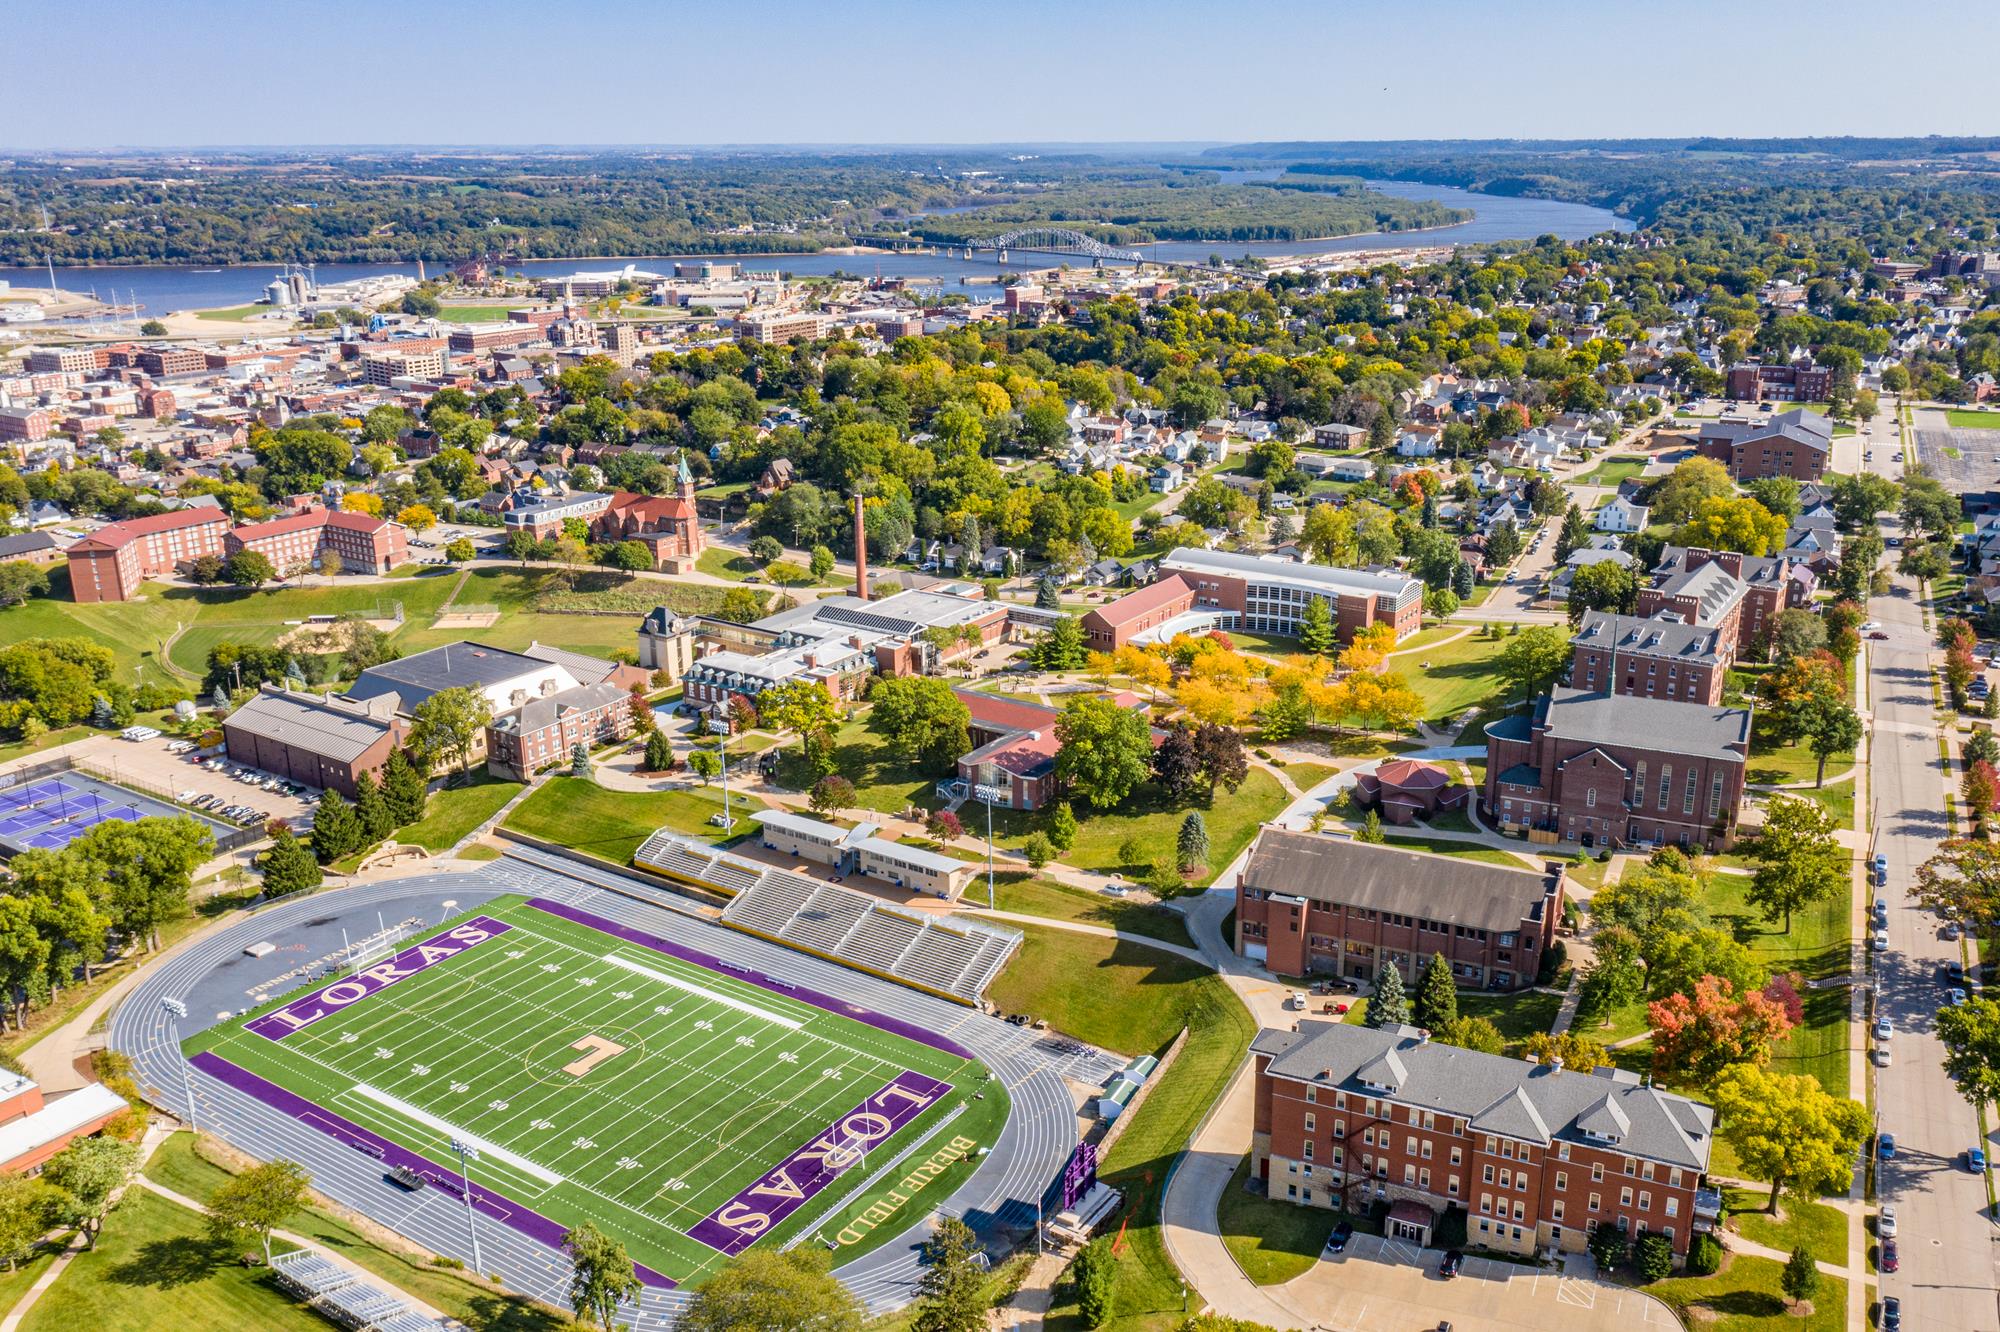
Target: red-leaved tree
1697 1037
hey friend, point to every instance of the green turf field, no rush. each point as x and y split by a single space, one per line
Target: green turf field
606 1081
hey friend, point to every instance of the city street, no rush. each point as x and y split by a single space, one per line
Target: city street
1947 1277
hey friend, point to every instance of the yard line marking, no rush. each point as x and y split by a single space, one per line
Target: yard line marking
450 1130
712 996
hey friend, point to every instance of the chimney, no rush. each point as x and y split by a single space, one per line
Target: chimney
860 550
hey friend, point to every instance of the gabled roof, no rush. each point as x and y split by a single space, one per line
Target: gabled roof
1514 1115
1388 878
1146 599
1696 729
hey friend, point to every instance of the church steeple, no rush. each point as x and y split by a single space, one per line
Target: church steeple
685 478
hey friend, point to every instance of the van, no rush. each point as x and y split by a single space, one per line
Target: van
1296 1000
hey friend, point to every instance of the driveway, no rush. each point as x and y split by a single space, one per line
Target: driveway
148 765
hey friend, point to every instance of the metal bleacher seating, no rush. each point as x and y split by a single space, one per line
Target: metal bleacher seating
345 1298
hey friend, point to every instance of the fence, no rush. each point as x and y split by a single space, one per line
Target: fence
228 837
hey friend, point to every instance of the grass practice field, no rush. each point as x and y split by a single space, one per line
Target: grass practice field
687 1112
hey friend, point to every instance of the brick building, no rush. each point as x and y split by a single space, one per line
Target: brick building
318 740
1598 768
665 524
1014 746
542 732
29 423
1111 626
1650 657
1801 381
1309 904
1536 1157
364 543
164 361
1739 594
542 518
1798 444
1264 594
33 1129
111 563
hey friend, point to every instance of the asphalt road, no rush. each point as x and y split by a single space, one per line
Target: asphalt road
1948 1277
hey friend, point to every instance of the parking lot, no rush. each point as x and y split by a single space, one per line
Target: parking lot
1384 1285
148 766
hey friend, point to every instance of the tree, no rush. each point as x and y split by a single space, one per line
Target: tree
1389 1006
1574 534
1687 486
1192 843
1048 593
1698 1036
1739 523
1971 1036
336 830
1469 1033
1798 860
659 752
1061 826
1800 1279
820 563
372 810
1436 1001
579 761
1961 881
771 1290
1288 712
289 867
258 1201
147 869
28 1208
459 550
705 764
765 549
943 826
1093 1275
1103 750
922 717
951 1293
1604 586
152 328
1649 900
89 1171
1831 727
1061 648
417 517
601 1275
447 725
1578 1053
1503 543
1441 603
1316 632
1614 977
1678 958
1653 1256
1533 660
831 794
1220 751
1609 1248
248 568
1795 633
403 789
20 580
805 708
1788 1130
1371 829
1176 763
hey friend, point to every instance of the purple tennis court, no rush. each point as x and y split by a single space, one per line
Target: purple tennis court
49 814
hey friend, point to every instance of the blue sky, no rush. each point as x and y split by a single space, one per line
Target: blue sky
98 73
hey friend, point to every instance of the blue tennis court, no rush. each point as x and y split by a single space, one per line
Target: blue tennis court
50 813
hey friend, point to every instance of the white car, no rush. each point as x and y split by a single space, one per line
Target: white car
1879 941
1872 624
1885 1224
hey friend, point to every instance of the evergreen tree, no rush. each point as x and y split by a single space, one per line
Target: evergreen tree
1437 996
1462 581
659 752
1389 1007
1062 648
579 760
1048 596
1283 529
1193 841
1503 543
292 672
951 1295
1316 631
372 810
336 831
1428 515
1609 1248
218 699
289 867
101 715
1062 826
1371 830
404 789
1575 533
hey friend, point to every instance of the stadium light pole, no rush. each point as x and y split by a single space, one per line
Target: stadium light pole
175 1011
467 1154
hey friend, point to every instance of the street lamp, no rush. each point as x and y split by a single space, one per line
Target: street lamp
176 1010
467 1154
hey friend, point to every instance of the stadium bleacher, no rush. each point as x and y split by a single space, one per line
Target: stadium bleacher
344 1298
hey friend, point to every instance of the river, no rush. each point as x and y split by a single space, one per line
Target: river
158 288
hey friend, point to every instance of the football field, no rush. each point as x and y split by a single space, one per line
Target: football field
686 1111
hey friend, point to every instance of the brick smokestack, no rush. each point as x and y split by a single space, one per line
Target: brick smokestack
860 550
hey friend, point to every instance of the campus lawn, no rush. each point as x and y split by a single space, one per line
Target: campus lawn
1772 761
1972 420
1030 896
1146 1291
1745 1297
1821 1226
180 1166
154 1267
456 811
610 825
14 1284
1518 1016
1122 995
1426 636
1454 676
1272 1241
1233 819
1613 471
883 782
1306 776
234 314
476 314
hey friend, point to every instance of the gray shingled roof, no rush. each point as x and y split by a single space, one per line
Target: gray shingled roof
537 713
1386 878
1652 637
1496 1094
463 664
333 728
1696 729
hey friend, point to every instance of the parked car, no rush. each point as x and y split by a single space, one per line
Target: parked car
1885 1224
1884 1028
1879 941
1890 1260
1975 1159
1885 1147
1952 930
1877 634
1337 1241
1956 997
1955 970
1453 1260
1882 1056
1892 1314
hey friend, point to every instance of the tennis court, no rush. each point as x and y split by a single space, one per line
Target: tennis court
49 814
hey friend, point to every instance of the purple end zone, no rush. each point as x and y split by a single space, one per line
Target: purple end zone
504 1210
301 1013
909 1031
782 1190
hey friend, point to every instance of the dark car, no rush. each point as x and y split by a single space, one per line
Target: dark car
1453 1260
1890 1262
1878 635
1892 1313
1337 1241
1885 1147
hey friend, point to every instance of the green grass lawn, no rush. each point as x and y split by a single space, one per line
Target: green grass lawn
1122 995
611 824
1233 819
1823 1227
14 1284
1972 420
1426 636
1773 761
1613 471
476 314
883 782
456 811
1032 896
1306 776
234 314
1454 676
1745 1297
1146 1293
1518 1016
155 1267
1273 1241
